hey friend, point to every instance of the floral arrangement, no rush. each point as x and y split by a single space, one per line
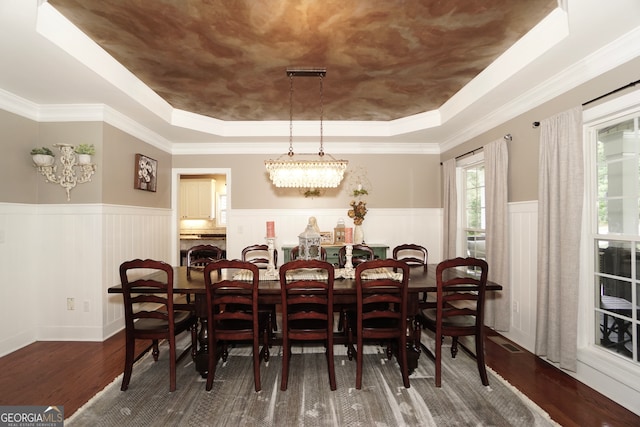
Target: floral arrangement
357 211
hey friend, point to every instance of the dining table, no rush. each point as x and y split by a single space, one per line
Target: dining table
421 280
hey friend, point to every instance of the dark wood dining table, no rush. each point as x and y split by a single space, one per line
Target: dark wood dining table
269 293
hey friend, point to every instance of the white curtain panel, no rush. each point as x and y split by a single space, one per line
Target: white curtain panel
496 167
560 195
450 208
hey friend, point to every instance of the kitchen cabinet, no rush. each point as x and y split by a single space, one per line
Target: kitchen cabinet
197 198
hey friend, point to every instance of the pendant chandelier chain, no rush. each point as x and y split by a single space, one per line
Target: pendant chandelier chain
290 154
321 153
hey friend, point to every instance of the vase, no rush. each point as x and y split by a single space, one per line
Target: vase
358 234
84 159
43 159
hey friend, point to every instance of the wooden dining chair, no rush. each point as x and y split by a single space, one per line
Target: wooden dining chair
151 315
259 255
307 310
412 254
360 254
416 256
295 253
381 312
201 255
233 316
458 312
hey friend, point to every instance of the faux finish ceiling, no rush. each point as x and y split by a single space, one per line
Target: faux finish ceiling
226 59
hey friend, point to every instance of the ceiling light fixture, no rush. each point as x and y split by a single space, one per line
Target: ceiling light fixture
311 174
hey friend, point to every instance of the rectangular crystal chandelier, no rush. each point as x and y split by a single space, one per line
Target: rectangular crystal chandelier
300 173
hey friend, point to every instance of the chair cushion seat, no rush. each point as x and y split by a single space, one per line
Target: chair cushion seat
181 318
459 321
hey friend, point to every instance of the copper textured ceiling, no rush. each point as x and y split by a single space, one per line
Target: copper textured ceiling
227 58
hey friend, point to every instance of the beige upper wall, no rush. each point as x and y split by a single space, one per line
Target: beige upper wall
397 181
115 159
119 155
523 150
19 178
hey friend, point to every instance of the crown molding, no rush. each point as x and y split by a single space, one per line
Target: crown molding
615 54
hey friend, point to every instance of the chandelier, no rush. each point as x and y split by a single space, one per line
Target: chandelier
310 174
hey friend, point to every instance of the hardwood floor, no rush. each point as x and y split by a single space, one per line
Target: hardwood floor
70 373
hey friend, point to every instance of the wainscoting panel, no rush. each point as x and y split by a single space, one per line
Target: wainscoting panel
18 268
523 226
129 233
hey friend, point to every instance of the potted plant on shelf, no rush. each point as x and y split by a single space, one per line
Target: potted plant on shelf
42 156
84 152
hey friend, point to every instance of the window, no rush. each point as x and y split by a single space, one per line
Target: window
472 207
615 149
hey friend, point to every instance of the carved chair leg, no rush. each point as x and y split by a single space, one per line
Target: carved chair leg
225 352
194 341
155 351
454 347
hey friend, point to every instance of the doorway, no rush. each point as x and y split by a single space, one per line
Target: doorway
199 229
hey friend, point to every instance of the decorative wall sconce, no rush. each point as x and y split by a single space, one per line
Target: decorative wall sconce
73 171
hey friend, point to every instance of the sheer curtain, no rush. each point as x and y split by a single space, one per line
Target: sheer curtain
560 195
496 167
450 208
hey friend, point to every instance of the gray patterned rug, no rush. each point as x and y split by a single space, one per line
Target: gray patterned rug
383 401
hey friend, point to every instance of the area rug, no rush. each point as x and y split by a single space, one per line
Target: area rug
308 401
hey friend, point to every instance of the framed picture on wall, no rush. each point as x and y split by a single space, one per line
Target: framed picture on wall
146 170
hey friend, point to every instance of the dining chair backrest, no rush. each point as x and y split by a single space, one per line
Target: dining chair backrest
160 297
151 315
459 312
295 253
232 312
414 255
201 255
382 288
306 288
359 254
259 255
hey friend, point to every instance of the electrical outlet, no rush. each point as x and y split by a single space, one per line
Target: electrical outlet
71 304
86 306
516 307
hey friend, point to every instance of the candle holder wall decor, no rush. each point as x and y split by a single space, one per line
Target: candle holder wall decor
73 172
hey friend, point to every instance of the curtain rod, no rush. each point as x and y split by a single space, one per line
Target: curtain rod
507 138
632 84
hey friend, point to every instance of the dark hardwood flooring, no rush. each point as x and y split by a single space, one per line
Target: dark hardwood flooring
70 373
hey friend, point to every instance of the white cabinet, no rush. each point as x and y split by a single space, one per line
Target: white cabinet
197 198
